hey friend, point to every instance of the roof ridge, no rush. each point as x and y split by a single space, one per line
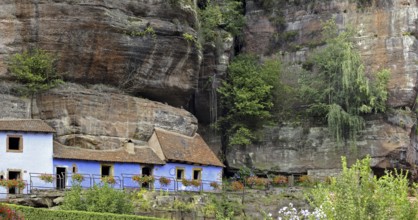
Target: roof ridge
177 134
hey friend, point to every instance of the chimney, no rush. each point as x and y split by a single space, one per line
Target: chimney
130 147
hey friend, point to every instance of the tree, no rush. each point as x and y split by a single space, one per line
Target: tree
337 88
36 70
246 98
228 16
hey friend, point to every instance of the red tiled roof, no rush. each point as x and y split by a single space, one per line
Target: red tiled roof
178 147
27 125
143 155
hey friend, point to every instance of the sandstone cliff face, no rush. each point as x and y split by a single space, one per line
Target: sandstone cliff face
98 118
135 45
385 37
384 33
290 149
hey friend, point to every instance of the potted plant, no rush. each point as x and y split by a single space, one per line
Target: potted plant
214 185
109 179
77 177
143 179
196 183
164 181
48 178
13 183
186 182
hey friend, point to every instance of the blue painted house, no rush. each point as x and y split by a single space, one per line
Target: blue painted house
167 154
28 151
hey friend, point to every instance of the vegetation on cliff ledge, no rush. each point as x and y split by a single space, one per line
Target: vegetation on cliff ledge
36 70
336 88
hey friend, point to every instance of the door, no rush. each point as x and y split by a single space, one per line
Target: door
14 175
146 171
61 177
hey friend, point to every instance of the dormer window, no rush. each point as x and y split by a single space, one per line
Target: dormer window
14 143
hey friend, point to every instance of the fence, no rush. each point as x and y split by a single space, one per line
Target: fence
63 181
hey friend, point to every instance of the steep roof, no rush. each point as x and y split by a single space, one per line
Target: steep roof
26 125
178 147
143 155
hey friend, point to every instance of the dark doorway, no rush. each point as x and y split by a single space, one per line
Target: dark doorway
146 171
61 177
14 175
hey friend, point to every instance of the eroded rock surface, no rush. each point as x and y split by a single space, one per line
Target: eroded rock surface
298 150
99 117
135 45
385 35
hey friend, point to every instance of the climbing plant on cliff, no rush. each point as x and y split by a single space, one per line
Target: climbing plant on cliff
36 70
246 98
337 88
227 15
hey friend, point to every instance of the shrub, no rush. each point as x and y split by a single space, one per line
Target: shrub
78 178
8 213
35 69
48 178
164 181
98 199
237 186
280 180
305 180
257 181
357 194
40 213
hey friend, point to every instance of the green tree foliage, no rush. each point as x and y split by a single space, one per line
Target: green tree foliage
246 97
98 199
338 89
228 16
36 70
357 194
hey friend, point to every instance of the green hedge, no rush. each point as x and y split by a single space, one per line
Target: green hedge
47 214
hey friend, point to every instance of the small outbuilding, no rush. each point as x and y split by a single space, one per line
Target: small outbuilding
25 147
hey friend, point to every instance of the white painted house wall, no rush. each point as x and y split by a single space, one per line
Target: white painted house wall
35 158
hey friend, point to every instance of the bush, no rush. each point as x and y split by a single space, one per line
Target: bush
305 180
98 199
257 181
36 70
280 180
8 213
48 214
357 194
237 186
